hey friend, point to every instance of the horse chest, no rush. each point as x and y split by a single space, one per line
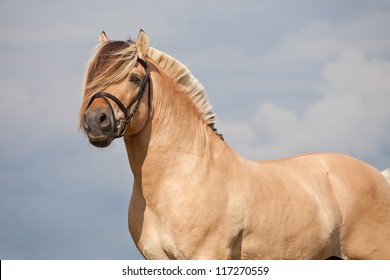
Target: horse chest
163 241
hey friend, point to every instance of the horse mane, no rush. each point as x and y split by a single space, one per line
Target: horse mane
113 60
183 77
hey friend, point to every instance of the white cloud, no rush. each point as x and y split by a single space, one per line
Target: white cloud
319 41
352 114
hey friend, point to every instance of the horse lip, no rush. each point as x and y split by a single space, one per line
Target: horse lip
100 141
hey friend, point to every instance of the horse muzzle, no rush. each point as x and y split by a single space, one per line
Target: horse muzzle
99 124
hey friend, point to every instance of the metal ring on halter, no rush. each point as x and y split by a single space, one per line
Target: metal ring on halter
136 100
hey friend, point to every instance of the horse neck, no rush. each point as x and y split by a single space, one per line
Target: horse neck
174 135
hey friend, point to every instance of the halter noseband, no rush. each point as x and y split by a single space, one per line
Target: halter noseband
126 110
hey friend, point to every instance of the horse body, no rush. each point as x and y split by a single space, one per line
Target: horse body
308 207
194 197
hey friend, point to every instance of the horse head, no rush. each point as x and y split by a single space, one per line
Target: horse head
114 100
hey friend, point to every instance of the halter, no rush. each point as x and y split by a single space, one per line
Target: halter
126 110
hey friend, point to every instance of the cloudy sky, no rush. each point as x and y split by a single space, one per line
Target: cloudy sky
284 78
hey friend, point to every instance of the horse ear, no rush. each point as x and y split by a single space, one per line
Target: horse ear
142 43
103 37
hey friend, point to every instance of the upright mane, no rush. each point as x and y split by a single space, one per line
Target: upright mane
112 61
182 76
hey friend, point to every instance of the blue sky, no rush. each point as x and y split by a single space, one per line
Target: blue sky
284 78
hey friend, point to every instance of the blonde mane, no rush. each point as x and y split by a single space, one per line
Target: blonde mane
182 76
112 61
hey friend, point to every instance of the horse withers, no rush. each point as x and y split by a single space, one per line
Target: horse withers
194 197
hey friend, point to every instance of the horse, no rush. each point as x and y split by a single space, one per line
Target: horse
194 197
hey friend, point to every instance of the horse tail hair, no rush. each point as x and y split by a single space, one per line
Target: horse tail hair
386 173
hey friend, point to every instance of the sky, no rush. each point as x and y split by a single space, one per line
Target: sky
284 78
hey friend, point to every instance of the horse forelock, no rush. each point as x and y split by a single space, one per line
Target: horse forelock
110 62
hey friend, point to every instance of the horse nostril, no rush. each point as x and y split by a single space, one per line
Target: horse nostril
104 121
102 118
97 121
85 124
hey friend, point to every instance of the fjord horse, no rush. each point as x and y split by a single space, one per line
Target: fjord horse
194 197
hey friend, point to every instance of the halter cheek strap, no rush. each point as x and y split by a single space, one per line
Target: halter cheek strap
126 110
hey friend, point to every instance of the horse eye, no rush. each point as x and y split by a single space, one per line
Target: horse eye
135 79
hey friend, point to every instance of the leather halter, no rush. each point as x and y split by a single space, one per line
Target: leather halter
126 110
